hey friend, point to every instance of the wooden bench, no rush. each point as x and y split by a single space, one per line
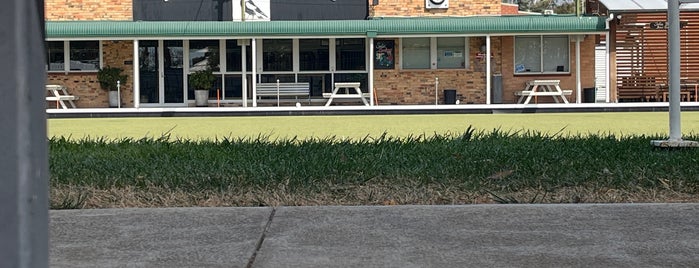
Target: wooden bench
280 90
637 88
60 95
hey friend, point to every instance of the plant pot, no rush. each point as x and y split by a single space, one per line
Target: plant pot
201 98
113 98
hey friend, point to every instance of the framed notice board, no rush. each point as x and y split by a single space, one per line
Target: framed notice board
383 54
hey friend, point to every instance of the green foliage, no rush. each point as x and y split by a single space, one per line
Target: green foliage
108 77
491 162
202 79
558 6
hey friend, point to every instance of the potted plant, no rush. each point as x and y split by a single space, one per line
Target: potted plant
108 77
202 81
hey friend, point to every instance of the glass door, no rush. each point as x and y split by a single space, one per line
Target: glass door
173 57
161 72
148 70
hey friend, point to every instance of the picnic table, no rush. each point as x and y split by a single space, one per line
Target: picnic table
537 88
348 86
59 94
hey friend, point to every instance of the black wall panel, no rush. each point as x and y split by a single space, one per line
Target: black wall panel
220 10
182 10
319 9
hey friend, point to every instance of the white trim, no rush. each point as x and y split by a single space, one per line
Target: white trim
332 45
161 72
253 45
243 75
370 84
295 65
578 84
433 53
136 76
488 86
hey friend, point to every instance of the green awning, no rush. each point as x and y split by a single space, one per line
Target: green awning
476 25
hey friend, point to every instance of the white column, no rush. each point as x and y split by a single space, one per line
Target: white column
254 72
370 86
578 85
674 68
243 78
607 83
488 86
136 76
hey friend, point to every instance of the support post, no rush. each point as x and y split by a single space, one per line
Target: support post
136 76
488 86
673 69
24 174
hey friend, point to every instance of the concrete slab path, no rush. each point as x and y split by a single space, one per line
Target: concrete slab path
587 235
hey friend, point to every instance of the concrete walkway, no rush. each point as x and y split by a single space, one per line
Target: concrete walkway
619 235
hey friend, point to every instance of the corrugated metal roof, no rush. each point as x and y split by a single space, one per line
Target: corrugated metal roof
392 26
643 5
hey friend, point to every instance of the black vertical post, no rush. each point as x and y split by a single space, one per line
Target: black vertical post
23 145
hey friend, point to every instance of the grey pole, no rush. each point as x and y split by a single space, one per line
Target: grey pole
673 69
23 146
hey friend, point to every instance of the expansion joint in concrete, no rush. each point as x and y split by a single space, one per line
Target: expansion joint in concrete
261 240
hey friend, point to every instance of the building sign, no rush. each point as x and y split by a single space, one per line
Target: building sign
662 25
255 10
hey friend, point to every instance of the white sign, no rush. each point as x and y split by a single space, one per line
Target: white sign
255 10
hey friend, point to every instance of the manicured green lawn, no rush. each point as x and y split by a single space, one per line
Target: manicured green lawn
356 127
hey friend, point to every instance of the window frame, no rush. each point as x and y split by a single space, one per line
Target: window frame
567 67
434 57
66 57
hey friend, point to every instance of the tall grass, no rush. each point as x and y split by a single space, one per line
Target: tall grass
495 161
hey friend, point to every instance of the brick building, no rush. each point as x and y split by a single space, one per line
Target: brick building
400 51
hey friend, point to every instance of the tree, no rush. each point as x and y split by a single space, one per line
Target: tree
558 6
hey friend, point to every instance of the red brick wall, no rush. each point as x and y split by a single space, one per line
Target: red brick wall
418 86
512 83
60 10
85 84
413 8
510 9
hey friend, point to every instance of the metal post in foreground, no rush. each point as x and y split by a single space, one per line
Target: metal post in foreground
673 69
24 201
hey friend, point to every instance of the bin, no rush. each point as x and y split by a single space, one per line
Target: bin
496 89
589 94
450 96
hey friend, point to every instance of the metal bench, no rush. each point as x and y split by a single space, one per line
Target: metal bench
283 90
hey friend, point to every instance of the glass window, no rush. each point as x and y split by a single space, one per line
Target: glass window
314 55
416 53
202 54
350 54
277 55
234 54
82 56
542 54
450 53
55 56
556 51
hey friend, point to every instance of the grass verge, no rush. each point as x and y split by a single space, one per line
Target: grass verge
473 167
